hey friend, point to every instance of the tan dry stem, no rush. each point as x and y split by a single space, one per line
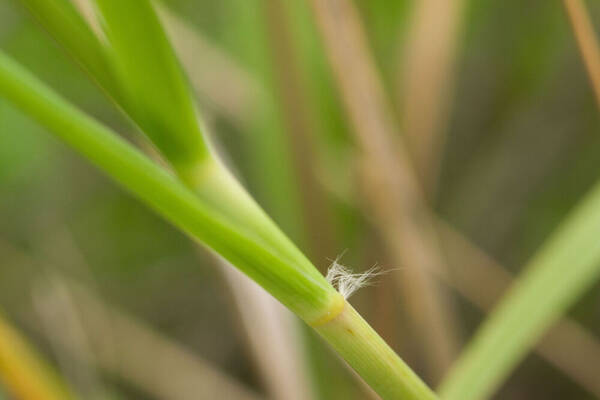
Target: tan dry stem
397 199
586 40
426 81
428 312
273 338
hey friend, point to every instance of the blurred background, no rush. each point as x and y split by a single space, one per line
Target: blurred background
495 132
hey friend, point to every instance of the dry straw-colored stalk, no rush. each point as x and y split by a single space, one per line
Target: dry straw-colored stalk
586 40
425 85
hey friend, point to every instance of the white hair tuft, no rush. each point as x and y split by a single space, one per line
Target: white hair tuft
346 282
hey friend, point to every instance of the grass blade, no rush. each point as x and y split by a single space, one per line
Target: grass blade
151 77
566 265
426 83
62 20
568 346
152 81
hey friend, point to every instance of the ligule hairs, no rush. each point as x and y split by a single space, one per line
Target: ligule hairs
346 282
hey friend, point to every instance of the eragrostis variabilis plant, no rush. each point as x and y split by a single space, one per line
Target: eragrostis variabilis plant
137 68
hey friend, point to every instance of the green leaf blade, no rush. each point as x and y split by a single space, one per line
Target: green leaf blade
160 99
70 30
562 270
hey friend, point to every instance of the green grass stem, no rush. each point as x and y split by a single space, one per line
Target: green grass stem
284 273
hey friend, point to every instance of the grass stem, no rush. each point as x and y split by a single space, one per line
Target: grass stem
204 214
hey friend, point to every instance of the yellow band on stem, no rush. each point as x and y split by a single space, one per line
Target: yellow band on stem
337 306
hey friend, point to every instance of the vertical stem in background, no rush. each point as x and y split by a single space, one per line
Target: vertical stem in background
586 40
395 197
273 338
300 124
426 83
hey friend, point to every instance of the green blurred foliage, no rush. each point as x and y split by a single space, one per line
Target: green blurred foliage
522 147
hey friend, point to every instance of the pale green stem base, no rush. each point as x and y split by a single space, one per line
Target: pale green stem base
354 339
